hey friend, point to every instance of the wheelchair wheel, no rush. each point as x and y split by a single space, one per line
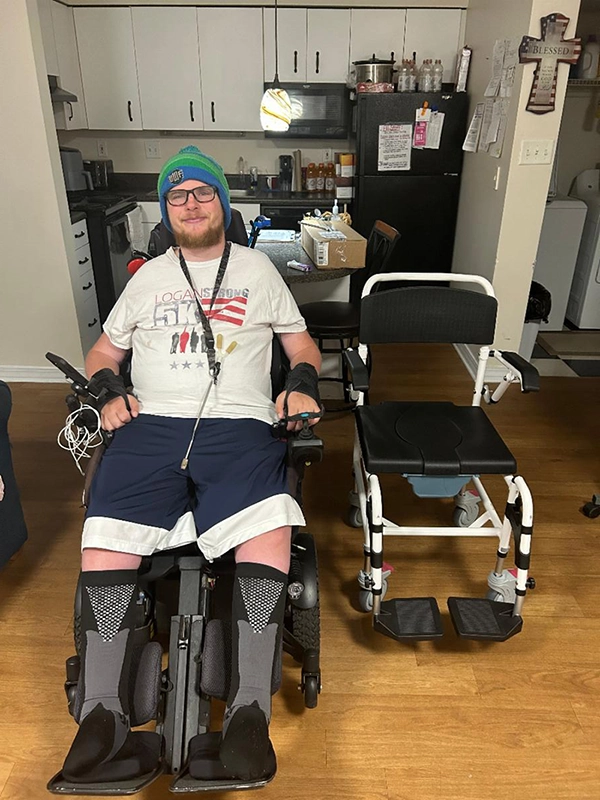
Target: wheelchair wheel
306 626
311 691
355 517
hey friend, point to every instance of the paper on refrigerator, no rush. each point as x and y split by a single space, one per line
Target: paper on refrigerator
394 147
497 64
472 137
503 104
488 107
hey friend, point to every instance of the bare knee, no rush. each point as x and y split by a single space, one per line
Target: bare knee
94 560
271 548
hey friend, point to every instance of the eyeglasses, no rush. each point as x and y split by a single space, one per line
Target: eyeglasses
202 194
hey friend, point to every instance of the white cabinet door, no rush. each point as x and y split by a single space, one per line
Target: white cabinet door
168 68
434 33
231 62
291 31
108 69
378 31
71 116
50 53
328 45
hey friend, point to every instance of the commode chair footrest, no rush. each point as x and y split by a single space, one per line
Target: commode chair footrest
411 618
204 748
480 618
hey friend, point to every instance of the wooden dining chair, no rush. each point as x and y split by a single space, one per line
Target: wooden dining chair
335 324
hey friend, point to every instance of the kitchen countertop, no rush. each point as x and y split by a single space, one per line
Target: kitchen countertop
280 253
77 216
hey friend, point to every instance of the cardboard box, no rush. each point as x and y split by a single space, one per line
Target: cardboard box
327 253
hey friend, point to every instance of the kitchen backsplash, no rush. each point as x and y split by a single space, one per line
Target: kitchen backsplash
128 150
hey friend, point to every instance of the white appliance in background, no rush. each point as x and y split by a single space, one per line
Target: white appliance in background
583 309
564 218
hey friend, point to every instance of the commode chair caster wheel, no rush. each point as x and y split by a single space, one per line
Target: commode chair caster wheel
365 597
355 519
592 509
464 517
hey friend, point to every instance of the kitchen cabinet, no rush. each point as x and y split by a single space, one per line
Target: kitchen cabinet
108 68
378 31
68 116
231 62
435 33
249 211
84 288
314 44
48 41
168 68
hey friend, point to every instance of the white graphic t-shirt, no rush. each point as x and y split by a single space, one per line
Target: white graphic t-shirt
157 317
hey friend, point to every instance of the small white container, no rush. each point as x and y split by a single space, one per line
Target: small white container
590 60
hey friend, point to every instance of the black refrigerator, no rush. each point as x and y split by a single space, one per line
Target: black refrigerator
420 202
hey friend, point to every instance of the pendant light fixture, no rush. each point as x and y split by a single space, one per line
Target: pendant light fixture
275 106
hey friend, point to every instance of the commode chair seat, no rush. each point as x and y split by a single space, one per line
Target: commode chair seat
431 439
332 318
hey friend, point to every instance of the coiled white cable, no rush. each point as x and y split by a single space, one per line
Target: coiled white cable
77 439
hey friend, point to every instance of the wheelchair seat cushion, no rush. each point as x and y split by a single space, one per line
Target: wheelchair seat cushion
431 439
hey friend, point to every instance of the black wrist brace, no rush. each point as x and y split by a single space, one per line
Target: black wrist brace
304 378
104 385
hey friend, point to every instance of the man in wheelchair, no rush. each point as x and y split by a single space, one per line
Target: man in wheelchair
199 322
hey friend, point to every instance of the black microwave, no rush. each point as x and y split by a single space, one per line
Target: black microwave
320 111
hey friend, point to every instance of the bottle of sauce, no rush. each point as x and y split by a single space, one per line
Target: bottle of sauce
330 177
311 177
321 178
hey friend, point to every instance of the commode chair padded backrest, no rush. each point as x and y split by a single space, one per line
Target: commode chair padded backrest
428 314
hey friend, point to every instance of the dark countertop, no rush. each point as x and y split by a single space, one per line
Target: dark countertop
77 216
281 253
143 187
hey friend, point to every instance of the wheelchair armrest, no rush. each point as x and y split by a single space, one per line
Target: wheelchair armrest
529 377
359 374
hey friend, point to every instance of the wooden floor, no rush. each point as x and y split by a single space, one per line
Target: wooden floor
450 720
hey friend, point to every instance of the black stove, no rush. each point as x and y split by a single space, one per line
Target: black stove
100 202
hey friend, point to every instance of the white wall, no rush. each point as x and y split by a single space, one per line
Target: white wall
127 150
498 230
579 141
37 311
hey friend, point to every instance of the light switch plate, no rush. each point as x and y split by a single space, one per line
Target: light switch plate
536 151
152 148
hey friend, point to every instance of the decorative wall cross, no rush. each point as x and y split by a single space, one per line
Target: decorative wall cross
547 53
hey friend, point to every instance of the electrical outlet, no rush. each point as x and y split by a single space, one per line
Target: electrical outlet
152 148
327 155
536 151
102 148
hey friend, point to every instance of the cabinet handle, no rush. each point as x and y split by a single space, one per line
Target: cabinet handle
79 235
129 111
295 61
91 324
317 62
212 111
89 286
192 110
85 260
70 110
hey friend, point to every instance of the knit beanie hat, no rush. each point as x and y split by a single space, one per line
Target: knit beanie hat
191 164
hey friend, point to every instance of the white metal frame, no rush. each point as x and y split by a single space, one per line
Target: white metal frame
488 524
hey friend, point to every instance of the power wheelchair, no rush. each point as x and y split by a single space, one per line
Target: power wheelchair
187 599
439 448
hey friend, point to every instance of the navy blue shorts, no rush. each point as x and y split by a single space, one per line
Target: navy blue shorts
234 487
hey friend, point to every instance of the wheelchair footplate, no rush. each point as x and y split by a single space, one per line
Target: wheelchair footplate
204 748
409 619
487 620
60 785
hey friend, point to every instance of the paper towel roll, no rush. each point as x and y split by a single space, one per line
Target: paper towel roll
297 170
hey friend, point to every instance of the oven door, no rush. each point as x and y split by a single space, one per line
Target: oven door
119 249
285 217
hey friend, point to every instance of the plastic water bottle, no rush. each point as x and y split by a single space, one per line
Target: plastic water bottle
438 75
426 76
406 77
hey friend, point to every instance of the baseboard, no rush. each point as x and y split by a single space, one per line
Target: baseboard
469 355
15 374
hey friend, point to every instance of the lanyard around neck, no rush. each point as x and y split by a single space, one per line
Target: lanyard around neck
214 366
